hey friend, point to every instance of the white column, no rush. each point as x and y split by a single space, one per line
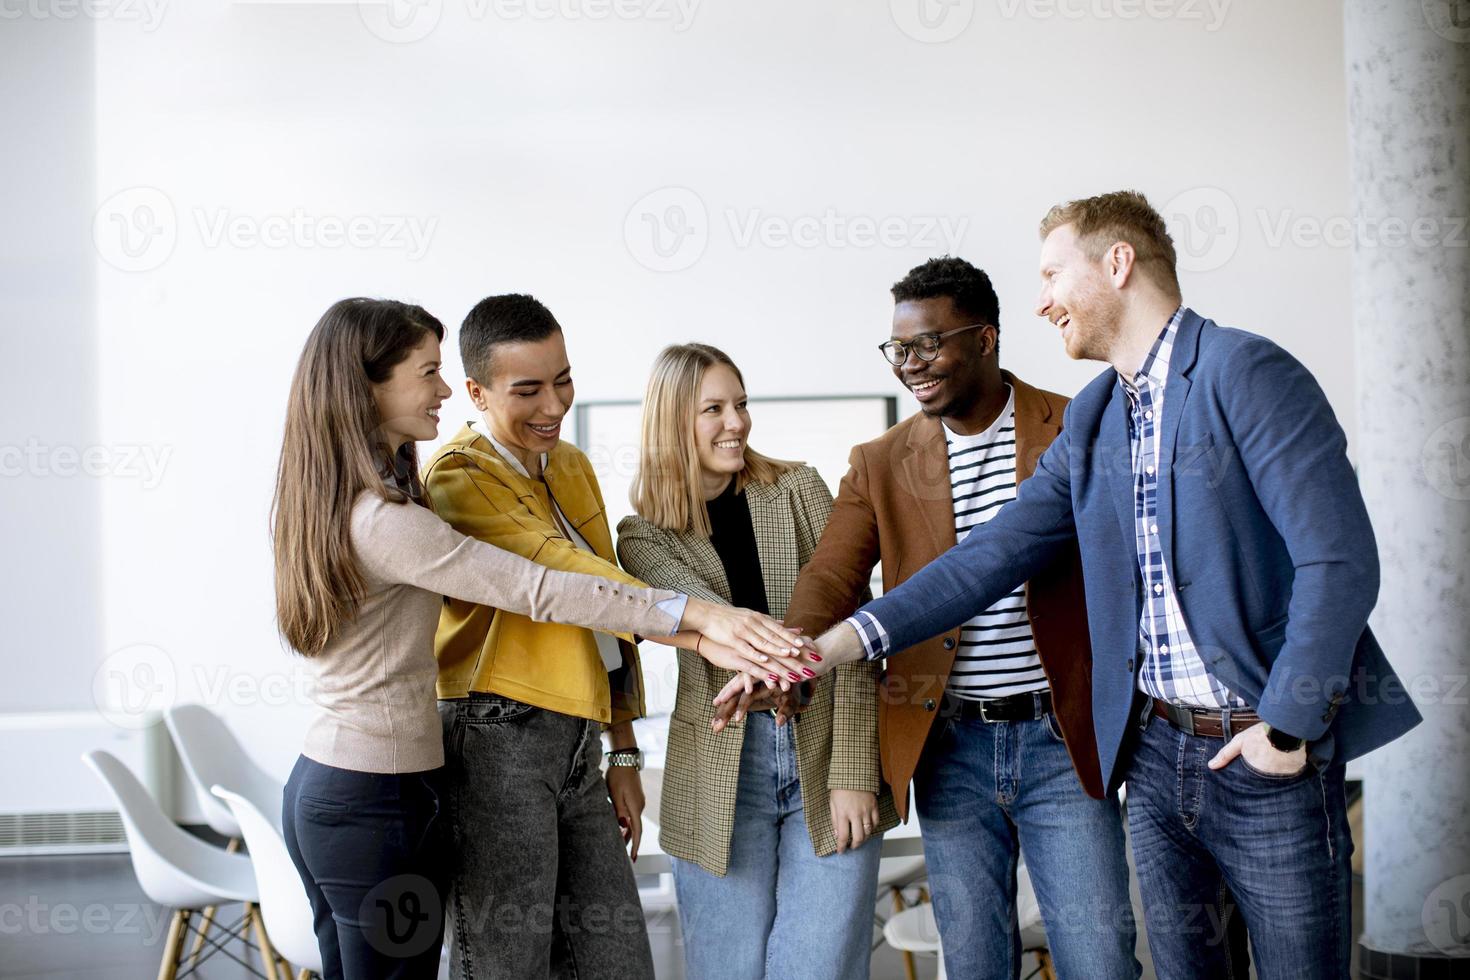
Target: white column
1408 79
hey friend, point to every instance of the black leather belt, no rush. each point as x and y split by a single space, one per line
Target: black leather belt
1017 707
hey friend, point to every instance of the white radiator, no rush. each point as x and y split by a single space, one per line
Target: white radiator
51 803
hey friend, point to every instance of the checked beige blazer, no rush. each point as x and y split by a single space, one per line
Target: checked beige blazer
836 737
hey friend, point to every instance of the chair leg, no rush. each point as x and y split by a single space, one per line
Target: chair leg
1043 960
173 946
909 968
305 974
209 913
267 952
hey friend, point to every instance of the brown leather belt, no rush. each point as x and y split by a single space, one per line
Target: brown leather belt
1201 721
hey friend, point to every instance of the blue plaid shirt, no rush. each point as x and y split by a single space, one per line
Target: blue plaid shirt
1171 668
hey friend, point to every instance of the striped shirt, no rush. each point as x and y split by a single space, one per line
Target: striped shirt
997 654
1172 669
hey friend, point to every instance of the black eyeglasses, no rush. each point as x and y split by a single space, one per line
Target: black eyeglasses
925 345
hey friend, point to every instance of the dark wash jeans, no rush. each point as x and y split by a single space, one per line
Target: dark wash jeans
1280 843
542 883
369 849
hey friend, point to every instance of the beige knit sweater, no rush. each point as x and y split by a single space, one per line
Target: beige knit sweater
375 678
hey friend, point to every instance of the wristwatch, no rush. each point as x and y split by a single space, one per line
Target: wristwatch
631 758
1282 742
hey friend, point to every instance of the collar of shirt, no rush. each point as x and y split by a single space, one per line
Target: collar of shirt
509 456
1155 368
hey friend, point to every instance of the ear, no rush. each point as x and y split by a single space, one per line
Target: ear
477 394
989 340
1119 262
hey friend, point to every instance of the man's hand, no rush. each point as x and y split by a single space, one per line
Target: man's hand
854 817
748 697
625 789
1260 754
740 639
839 645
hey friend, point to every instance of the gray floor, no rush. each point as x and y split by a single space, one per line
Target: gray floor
85 916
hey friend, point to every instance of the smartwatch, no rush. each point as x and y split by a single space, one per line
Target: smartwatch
631 758
1282 742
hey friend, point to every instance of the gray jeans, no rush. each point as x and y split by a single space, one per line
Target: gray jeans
542 884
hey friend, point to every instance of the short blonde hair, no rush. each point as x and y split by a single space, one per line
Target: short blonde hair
1122 216
667 491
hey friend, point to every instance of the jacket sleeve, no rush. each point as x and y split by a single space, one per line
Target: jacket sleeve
407 544
475 503
996 557
1295 454
855 761
834 581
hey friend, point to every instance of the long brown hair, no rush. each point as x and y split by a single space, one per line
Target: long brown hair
667 491
330 454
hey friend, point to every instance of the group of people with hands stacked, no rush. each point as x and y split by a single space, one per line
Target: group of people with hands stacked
1121 589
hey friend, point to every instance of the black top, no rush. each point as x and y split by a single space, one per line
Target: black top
734 539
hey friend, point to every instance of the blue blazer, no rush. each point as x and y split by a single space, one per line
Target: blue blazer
1263 527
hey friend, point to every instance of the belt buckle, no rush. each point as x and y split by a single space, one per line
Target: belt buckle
1187 717
985 713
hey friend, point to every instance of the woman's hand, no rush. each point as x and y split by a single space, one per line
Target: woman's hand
625 789
762 644
854 817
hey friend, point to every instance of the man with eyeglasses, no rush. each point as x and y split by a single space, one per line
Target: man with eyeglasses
987 719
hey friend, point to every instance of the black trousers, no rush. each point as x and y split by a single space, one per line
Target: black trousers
369 848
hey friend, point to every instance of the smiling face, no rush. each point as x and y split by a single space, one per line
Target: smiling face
952 384
721 427
1078 297
529 393
408 402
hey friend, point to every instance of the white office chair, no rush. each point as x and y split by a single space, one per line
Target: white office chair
894 876
178 870
283 900
211 754
914 930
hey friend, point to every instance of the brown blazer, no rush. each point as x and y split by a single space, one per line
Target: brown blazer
894 505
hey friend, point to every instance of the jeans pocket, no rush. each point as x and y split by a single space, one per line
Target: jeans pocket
1278 778
320 810
1054 727
492 709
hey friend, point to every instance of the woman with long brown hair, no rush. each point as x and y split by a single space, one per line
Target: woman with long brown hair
765 821
361 568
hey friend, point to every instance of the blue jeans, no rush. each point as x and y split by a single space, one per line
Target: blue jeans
988 792
370 850
1279 843
780 911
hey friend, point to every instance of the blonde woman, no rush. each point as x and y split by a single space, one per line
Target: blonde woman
774 829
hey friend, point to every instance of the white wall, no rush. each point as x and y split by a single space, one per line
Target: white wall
525 144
